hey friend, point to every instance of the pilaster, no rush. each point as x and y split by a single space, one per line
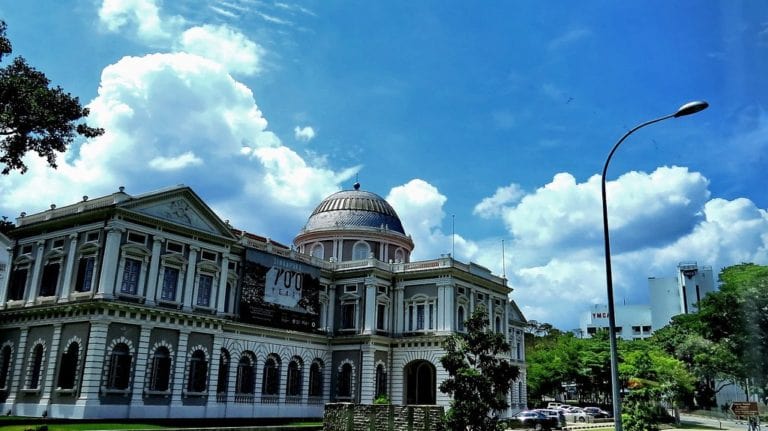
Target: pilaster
331 307
16 384
94 362
367 376
154 266
30 293
370 305
69 268
140 371
189 279
399 309
221 293
180 365
50 369
106 287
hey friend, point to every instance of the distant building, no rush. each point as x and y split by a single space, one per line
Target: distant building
669 297
151 306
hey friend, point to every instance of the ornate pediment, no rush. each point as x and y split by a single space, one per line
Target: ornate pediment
180 207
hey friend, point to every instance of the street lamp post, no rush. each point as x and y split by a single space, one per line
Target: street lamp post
687 109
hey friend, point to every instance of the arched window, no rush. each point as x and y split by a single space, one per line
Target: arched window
460 318
360 250
294 382
160 370
5 367
68 367
344 389
35 367
316 379
381 380
270 384
399 256
119 371
198 372
222 383
318 251
246 383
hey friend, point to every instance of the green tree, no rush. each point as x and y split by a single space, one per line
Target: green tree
480 375
34 116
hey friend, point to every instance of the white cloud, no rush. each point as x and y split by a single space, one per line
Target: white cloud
174 163
225 46
569 38
304 134
143 14
494 205
556 260
186 120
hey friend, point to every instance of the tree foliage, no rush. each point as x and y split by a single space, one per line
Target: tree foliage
34 116
727 340
480 375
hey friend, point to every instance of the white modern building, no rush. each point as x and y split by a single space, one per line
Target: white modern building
151 306
669 297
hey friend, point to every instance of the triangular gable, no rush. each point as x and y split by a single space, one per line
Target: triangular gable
180 206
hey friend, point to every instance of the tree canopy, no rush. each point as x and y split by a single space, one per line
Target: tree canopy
480 375
33 115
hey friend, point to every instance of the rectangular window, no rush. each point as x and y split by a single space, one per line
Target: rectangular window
431 315
381 316
204 287
420 317
208 255
170 282
85 273
50 279
137 238
17 284
92 236
347 316
131 271
174 247
646 329
26 249
58 244
350 288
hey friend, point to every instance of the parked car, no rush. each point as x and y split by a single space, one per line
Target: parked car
596 412
536 420
554 405
576 414
555 414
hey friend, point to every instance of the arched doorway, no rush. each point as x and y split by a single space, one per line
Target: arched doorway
420 384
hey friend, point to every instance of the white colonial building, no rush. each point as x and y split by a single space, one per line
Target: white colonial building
151 306
669 297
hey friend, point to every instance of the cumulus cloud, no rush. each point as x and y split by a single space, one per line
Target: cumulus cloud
304 134
220 43
225 46
493 206
555 262
174 116
143 16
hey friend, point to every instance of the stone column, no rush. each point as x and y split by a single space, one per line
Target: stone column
367 376
221 294
34 286
397 324
491 323
50 369
140 373
4 282
189 280
69 268
370 305
154 265
95 355
179 367
331 308
16 383
213 369
106 287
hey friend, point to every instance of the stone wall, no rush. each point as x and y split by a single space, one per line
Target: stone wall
382 417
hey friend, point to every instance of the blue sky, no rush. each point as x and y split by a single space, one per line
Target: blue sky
491 120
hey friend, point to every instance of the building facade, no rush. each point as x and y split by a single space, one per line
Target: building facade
151 306
669 297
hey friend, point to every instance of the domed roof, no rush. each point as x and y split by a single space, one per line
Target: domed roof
354 208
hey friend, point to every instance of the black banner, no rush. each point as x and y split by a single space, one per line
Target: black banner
280 292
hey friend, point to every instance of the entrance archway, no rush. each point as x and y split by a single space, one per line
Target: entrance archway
420 386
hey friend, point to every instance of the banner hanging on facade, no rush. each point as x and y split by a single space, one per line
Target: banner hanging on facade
279 292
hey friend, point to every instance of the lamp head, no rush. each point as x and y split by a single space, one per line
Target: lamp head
691 108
